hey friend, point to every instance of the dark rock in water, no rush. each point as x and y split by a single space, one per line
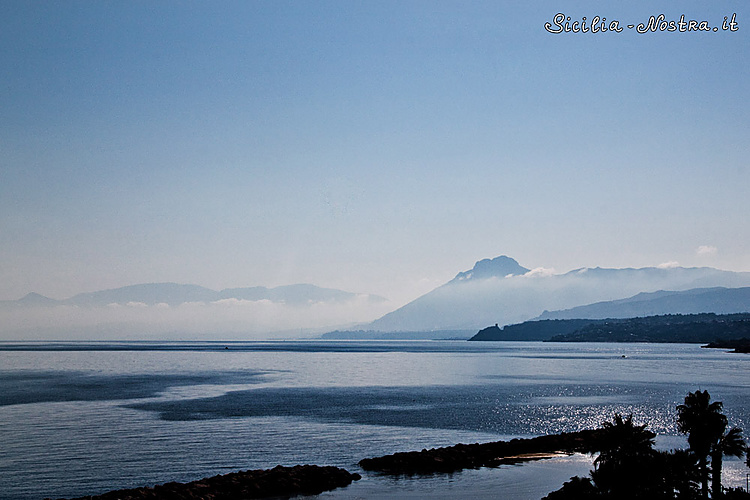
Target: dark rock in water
469 456
277 482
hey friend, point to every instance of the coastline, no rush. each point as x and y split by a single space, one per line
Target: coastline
306 480
472 456
56 456
263 483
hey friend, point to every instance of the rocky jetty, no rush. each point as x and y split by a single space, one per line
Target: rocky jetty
278 482
739 345
470 456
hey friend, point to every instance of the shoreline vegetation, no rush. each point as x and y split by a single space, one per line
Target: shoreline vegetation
473 456
627 465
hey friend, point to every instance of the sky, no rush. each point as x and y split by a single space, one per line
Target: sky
373 146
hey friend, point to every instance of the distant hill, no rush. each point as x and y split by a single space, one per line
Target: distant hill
34 299
148 293
174 294
719 300
184 311
532 331
690 328
670 328
502 291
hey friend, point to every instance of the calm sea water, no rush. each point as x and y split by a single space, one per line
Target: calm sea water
78 419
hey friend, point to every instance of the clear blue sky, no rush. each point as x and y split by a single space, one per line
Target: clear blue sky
374 146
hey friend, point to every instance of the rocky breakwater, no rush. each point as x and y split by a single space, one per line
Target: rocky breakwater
470 456
277 482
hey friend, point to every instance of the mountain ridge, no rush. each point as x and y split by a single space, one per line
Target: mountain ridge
719 300
174 294
473 300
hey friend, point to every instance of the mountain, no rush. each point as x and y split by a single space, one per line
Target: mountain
173 294
147 293
504 292
499 267
670 328
719 300
29 300
184 311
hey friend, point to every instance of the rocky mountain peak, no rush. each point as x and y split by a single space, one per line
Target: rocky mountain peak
499 267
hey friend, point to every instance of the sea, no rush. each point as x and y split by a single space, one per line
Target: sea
84 418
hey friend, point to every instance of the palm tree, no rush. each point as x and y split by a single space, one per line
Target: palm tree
626 451
704 423
624 440
730 444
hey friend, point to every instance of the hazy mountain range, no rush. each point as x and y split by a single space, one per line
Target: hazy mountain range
717 300
502 291
173 294
184 311
495 291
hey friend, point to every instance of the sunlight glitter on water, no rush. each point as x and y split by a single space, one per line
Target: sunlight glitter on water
76 423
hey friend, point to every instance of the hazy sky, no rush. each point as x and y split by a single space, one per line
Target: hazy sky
375 146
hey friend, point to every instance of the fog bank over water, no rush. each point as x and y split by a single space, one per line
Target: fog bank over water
170 311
